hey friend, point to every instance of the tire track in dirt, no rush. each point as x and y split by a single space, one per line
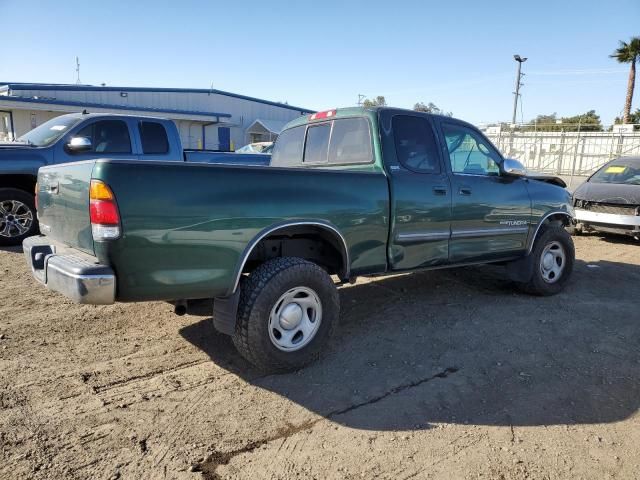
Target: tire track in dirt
210 465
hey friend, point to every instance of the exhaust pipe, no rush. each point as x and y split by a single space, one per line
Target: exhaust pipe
200 307
180 308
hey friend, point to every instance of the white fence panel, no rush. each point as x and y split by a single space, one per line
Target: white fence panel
566 153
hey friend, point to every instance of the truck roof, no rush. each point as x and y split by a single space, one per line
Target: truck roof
362 112
107 114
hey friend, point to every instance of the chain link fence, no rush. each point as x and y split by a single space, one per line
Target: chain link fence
565 153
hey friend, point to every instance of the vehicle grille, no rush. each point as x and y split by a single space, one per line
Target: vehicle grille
615 209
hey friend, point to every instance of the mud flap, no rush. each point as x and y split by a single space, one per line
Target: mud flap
520 270
225 312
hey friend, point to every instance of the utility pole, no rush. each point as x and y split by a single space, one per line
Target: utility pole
77 71
516 94
361 98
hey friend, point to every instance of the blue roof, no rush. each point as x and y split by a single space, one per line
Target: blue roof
93 88
53 101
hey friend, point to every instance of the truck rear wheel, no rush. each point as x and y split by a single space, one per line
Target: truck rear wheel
17 216
289 307
553 257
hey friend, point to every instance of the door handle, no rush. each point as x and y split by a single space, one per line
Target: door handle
464 190
439 190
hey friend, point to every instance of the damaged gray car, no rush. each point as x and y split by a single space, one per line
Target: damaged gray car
609 201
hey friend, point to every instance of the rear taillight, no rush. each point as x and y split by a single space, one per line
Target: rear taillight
35 198
103 212
322 115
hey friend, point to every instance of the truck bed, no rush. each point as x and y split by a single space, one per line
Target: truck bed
185 226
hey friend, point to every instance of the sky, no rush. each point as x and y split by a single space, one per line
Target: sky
321 54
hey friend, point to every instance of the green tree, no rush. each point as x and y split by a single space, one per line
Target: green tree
430 108
634 118
628 53
545 123
586 122
379 101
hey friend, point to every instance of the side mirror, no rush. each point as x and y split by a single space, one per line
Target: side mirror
79 144
513 168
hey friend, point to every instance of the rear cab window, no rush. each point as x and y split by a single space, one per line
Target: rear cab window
341 141
316 147
350 141
288 149
154 139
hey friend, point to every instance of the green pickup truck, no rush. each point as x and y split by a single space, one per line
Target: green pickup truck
350 192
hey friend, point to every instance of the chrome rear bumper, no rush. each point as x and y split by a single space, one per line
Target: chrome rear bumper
75 274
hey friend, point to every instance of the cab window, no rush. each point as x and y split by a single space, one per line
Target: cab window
469 152
350 141
317 145
107 136
153 137
287 151
415 144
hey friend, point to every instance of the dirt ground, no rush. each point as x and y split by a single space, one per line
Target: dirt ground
447 374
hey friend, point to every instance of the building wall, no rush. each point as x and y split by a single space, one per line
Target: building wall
25 120
243 111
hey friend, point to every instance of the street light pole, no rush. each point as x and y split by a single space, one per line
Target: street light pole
516 94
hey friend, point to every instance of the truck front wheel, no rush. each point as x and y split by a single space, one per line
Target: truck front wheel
288 309
553 256
17 216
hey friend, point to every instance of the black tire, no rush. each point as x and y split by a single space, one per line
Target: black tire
261 293
11 233
550 236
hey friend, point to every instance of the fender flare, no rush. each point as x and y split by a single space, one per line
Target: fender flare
279 226
541 222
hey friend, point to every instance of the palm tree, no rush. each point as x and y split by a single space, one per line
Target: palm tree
628 53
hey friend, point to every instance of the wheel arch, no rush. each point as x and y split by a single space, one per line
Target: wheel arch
20 181
556 216
324 231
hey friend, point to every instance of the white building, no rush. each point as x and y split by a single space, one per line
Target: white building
206 118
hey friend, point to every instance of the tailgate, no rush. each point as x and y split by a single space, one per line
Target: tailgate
63 204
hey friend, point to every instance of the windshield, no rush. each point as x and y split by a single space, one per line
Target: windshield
49 132
259 147
621 173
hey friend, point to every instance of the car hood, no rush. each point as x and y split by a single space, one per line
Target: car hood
550 179
609 193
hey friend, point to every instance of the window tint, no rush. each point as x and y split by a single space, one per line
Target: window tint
288 148
107 136
350 141
154 137
469 152
415 144
317 144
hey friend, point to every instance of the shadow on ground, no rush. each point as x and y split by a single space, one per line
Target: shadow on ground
15 249
462 346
